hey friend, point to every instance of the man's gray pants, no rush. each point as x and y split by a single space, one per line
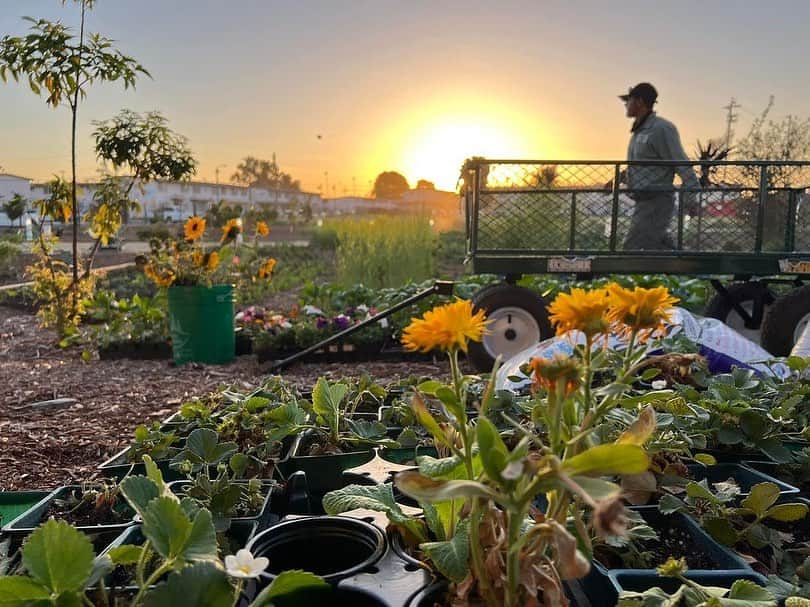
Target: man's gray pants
649 228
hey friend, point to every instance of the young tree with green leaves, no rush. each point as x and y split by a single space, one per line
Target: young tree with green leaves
62 66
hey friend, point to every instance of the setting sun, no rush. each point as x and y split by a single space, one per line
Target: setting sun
436 150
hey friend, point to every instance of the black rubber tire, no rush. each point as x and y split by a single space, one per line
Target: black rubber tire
779 324
742 292
499 297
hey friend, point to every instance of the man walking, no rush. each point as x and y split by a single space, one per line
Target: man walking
653 138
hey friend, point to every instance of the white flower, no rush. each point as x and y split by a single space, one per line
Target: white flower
239 316
312 310
244 565
659 384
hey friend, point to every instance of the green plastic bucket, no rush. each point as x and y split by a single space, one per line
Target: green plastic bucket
201 323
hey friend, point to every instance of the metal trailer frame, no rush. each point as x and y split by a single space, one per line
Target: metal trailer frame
534 216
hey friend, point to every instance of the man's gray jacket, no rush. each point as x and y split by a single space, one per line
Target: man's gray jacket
657 139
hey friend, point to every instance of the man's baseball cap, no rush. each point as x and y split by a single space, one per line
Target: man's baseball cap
644 90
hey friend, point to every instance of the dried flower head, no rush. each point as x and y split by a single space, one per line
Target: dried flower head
580 310
449 327
609 519
548 373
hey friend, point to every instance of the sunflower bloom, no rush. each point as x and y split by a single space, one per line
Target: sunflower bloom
212 261
262 229
267 268
448 327
547 373
197 258
640 309
580 310
194 228
162 278
231 229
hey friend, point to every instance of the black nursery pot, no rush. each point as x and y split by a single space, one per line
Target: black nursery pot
333 547
744 476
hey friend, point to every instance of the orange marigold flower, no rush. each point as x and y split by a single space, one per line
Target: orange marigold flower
639 309
547 373
194 228
262 229
448 327
267 268
580 310
212 261
231 229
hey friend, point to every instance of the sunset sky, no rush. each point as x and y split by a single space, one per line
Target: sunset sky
414 86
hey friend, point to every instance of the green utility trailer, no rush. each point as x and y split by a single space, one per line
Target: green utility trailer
748 220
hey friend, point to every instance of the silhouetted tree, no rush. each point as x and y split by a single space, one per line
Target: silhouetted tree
258 173
424 184
714 150
390 184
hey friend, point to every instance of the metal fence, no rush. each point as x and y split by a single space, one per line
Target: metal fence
723 216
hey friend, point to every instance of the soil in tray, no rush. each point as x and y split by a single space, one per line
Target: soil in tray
318 444
673 541
90 511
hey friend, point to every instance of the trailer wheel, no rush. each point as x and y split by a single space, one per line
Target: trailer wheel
745 294
785 321
519 320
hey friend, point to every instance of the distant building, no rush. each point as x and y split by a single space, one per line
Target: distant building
9 186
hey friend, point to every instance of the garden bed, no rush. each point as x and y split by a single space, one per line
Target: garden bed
45 447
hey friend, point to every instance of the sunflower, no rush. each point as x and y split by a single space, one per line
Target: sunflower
267 268
198 258
640 309
194 228
212 261
547 373
232 229
262 229
448 327
580 310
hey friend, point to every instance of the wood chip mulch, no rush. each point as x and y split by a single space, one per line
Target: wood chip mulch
48 446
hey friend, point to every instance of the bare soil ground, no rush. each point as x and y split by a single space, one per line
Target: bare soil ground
44 447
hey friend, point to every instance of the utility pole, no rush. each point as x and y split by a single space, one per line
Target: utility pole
731 118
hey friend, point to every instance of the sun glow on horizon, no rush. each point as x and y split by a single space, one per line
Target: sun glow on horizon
437 147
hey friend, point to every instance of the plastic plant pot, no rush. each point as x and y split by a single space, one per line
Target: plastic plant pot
403 455
14 503
29 520
744 476
332 547
270 488
119 466
699 544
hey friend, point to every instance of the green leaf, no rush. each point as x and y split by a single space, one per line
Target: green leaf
204 443
59 557
753 423
451 402
753 594
202 585
287 582
608 459
787 512
201 544
425 489
139 491
430 386
433 520
21 591
721 529
154 474
705 459
166 526
451 557
669 504
730 435
774 449
492 449
127 554
762 497
239 463
435 468
701 491
597 488
427 421
379 498
326 399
